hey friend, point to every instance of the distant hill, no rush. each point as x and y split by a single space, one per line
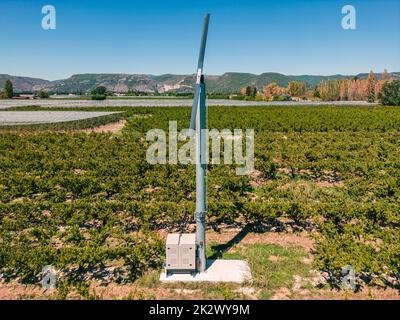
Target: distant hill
227 83
24 84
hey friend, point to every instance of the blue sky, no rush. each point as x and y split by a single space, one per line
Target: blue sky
162 36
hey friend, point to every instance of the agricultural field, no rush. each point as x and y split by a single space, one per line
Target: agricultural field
325 193
36 117
154 102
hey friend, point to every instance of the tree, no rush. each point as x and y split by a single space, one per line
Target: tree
101 90
8 88
272 91
357 90
243 91
255 91
43 94
344 90
371 87
316 92
378 89
390 95
329 90
99 93
248 91
385 75
297 88
310 94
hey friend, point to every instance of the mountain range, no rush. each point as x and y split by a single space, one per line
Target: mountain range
227 83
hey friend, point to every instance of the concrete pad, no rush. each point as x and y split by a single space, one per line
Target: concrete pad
217 271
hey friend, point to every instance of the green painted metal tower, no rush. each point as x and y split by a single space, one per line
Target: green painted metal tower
198 122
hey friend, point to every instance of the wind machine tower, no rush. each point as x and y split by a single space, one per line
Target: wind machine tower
186 253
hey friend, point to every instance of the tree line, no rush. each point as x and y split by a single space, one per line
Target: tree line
385 90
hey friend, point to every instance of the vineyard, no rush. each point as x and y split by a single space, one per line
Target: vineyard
92 207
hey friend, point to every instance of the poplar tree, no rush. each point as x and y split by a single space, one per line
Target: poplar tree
371 87
8 88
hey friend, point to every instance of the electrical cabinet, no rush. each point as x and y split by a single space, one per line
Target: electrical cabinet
181 253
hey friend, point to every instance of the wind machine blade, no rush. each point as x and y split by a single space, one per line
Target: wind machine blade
199 74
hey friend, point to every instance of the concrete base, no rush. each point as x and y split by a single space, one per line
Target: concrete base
217 271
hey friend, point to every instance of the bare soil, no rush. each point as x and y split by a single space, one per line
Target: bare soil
113 127
277 238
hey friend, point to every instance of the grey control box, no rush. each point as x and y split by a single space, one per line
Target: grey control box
181 253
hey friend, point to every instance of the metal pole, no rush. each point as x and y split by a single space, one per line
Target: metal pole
199 73
198 122
201 167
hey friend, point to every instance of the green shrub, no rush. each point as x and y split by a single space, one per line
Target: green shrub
390 95
43 94
238 97
283 97
101 90
99 97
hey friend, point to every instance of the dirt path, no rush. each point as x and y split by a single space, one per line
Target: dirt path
113 127
277 238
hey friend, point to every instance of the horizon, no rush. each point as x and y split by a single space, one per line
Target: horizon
207 75
154 37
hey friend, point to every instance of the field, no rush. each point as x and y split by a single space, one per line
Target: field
38 117
325 194
152 102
